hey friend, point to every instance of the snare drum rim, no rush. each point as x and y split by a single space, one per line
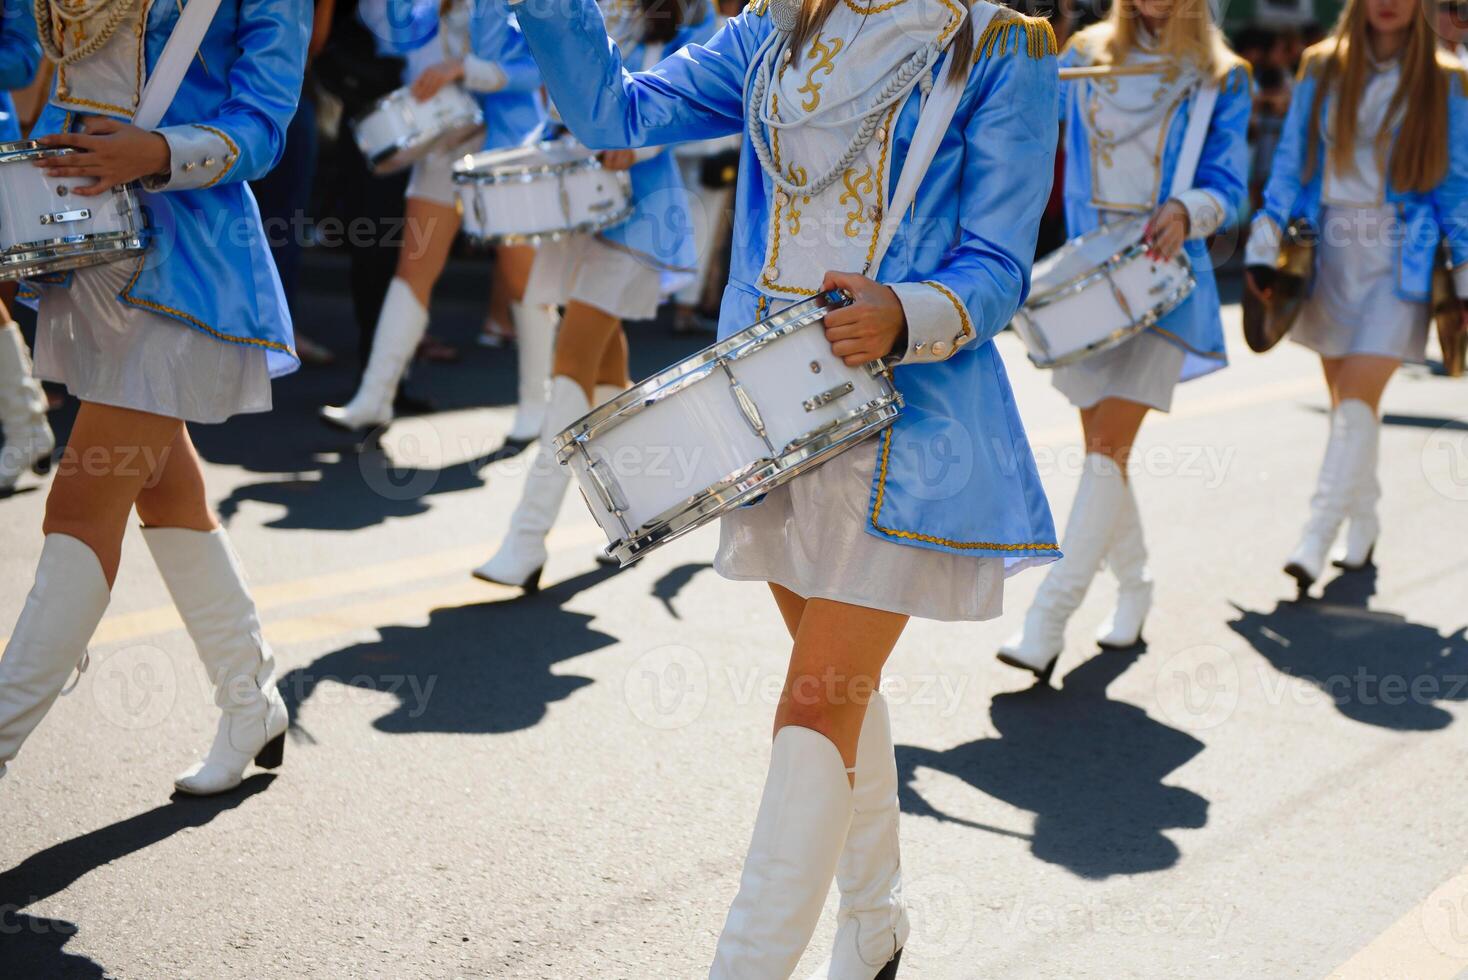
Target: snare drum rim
466 173
1085 280
551 235
22 264
17 151
664 384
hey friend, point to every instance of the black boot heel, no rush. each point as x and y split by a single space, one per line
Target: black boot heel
273 754
41 466
890 970
532 584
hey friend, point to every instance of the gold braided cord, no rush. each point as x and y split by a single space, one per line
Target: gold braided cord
50 12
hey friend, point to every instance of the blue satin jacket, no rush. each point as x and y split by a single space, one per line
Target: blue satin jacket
20 56
660 228
1429 218
1197 324
955 472
208 264
511 113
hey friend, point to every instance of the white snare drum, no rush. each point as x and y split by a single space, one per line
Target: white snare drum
44 227
399 130
729 423
1096 291
539 193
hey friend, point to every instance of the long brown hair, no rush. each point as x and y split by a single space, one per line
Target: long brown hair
815 13
1419 159
1189 35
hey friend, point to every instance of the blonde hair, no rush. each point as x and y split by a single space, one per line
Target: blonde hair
1189 35
1419 160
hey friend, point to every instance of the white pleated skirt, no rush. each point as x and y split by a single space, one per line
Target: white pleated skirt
1354 308
108 352
1145 369
597 273
810 537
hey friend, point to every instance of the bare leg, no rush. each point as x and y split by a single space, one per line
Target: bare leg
513 263
613 369
176 495
427 241
1364 378
582 343
792 607
1111 429
111 456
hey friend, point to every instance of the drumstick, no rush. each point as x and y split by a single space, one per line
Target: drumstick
1107 71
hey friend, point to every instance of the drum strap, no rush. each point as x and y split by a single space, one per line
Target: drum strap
1199 118
932 124
173 63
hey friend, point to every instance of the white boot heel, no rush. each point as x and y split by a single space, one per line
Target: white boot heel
798 837
400 328
29 441
204 576
521 556
872 924
50 639
1098 500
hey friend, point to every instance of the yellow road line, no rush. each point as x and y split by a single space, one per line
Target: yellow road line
1428 943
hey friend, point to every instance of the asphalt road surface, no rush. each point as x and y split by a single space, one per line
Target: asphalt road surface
479 785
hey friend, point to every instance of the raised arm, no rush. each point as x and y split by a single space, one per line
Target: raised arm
244 139
695 93
1009 162
499 61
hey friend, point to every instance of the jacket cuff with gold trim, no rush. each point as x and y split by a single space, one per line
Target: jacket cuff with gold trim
1205 211
200 157
483 76
937 322
1263 247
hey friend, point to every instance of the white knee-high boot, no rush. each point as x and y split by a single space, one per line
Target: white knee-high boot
1087 531
1348 454
1363 526
798 836
535 339
400 328
208 586
61 613
1127 556
522 555
29 441
873 925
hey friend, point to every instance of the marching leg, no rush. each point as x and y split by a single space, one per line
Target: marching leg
521 557
535 333
1363 525
204 576
1127 557
29 442
873 923
60 615
1092 517
399 329
1348 453
798 836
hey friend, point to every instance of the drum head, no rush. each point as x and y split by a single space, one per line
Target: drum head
1083 256
1265 324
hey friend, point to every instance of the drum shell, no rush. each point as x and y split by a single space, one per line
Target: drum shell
45 227
1071 316
684 432
399 130
538 202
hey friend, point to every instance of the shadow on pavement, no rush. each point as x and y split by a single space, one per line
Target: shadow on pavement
1090 769
674 581
32 947
480 669
1376 667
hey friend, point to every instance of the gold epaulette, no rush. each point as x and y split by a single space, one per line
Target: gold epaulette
757 8
1008 26
1238 76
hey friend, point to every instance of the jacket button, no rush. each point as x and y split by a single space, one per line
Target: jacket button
939 348
189 165
208 161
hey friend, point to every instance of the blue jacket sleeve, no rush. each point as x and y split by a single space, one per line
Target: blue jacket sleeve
20 52
245 137
1009 163
1285 187
1450 198
501 60
695 93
